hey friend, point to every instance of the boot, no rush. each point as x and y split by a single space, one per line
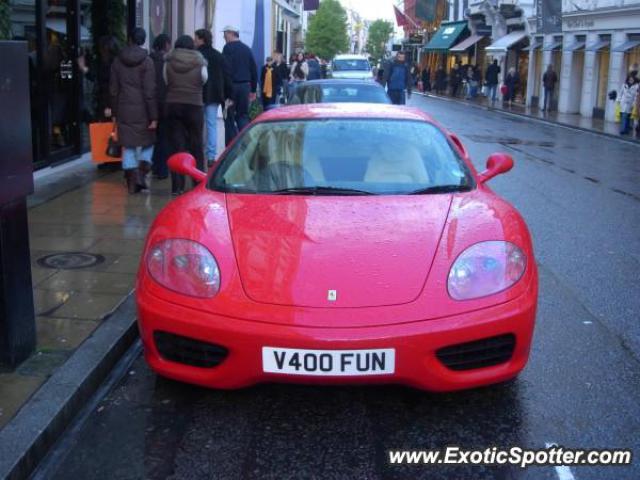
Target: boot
131 176
143 171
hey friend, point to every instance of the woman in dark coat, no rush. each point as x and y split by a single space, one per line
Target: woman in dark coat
161 46
511 81
135 109
185 73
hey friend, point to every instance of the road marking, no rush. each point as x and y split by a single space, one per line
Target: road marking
563 472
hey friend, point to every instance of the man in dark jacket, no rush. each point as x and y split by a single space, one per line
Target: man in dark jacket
283 74
217 89
549 80
493 72
244 74
135 108
161 46
397 79
314 67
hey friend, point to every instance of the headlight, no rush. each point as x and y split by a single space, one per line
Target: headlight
184 266
486 268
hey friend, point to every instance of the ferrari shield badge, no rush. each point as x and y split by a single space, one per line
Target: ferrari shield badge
332 295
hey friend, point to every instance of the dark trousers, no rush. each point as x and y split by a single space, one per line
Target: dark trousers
548 99
185 124
238 116
161 150
397 97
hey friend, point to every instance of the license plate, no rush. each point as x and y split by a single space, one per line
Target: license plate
294 361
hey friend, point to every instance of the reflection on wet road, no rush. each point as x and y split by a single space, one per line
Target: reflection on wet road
579 194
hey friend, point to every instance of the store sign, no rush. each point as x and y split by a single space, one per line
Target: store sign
549 16
579 23
416 38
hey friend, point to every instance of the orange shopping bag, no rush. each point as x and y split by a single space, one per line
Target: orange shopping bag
99 134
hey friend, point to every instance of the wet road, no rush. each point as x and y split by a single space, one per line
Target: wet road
580 195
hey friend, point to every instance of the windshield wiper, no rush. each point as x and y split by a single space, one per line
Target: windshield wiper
441 189
320 190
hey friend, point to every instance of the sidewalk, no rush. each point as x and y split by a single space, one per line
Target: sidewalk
566 119
78 208
100 218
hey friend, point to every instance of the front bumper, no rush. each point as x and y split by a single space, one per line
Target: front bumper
415 343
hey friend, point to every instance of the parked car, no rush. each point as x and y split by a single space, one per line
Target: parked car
334 244
351 67
338 91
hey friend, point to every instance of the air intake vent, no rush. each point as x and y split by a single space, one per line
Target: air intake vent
189 351
481 353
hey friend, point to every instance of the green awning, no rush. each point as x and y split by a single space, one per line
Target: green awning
447 35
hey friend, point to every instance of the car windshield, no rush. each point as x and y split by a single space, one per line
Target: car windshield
342 157
350 64
339 94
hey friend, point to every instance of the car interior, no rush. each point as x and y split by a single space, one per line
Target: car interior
295 156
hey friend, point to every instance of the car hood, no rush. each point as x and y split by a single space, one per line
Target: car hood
353 75
369 250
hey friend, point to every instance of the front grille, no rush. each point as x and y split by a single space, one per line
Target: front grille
478 354
189 351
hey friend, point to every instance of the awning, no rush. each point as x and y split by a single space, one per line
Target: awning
446 36
577 45
287 9
599 45
504 43
556 45
466 43
628 45
537 43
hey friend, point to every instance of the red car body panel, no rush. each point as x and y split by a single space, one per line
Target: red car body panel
388 257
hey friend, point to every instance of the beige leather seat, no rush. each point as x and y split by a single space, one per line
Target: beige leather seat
404 165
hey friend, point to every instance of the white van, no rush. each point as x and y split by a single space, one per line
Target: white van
351 67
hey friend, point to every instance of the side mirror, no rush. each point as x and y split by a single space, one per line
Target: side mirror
459 144
184 164
497 164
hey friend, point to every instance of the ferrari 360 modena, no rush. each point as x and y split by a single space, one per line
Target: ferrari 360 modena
339 244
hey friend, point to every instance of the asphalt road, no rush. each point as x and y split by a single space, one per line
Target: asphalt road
580 195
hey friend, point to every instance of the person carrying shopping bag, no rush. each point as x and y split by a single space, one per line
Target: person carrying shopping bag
134 107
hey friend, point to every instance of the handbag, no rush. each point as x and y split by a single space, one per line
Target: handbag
114 149
99 134
617 113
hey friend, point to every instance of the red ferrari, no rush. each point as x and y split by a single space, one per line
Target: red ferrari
339 244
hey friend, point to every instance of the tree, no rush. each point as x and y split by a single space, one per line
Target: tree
379 33
5 20
327 32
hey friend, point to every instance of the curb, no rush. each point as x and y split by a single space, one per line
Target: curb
531 117
26 439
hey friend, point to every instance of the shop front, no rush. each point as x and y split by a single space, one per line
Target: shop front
438 48
512 51
56 33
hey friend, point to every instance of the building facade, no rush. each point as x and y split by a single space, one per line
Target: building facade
59 32
593 50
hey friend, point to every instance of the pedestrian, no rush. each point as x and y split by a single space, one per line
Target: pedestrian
161 46
134 107
216 90
511 81
426 79
455 78
244 75
283 74
441 80
549 80
398 80
185 73
314 67
491 77
299 69
270 82
627 98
